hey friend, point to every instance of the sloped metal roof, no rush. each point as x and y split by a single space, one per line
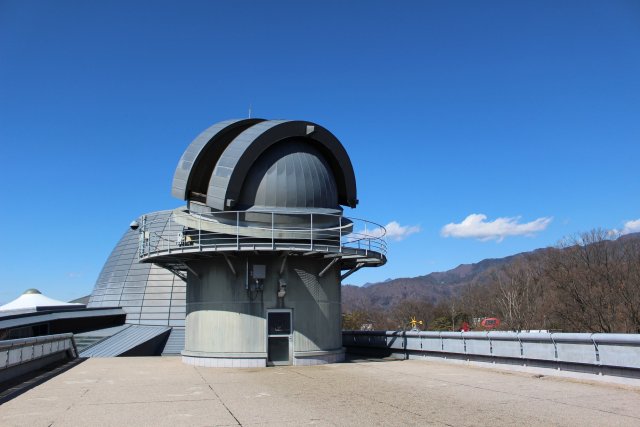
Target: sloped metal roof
175 342
104 332
25 319
124 341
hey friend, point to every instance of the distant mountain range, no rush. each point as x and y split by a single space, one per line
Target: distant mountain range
433 287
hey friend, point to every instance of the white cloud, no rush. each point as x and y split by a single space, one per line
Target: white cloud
394 231
475 226
632 226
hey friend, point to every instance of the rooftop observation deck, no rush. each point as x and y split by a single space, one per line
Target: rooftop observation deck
184 236
163 391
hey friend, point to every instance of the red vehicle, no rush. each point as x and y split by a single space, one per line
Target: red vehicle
490 322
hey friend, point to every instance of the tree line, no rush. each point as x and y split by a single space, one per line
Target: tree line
587 283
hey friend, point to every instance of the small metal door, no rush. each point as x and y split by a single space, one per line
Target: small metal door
279 337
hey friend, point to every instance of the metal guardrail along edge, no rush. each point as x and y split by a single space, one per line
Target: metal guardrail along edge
595 349
16 349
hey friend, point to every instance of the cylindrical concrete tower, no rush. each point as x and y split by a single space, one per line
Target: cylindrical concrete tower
262 243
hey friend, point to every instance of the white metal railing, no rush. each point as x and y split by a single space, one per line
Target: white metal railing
259 230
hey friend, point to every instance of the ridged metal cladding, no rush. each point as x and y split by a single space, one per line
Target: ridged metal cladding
197 162
148 293
227 155
291 174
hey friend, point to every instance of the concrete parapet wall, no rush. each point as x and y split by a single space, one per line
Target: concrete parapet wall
19 356
616 351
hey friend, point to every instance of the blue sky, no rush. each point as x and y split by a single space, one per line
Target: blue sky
525 112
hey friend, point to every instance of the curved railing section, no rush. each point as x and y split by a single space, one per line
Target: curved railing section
185 232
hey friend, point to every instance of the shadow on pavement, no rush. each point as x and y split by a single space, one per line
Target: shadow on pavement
19 385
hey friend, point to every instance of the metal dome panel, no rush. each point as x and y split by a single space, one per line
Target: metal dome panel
239 156
197 162
290 174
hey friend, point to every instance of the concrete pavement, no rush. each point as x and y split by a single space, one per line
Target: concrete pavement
164 391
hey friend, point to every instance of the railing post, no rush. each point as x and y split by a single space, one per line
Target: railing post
311 242
141 242
146 241
340 231
199 233
237 230
273 244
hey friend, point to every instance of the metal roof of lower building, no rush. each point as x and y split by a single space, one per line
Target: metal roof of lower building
175 342
125 340
25 319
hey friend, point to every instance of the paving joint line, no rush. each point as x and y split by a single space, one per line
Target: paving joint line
219 398
147 401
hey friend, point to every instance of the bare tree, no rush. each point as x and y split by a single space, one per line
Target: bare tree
478 300
519 294
401 313
584 269
588 282
628 278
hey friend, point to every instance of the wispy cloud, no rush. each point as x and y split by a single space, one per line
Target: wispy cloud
476 226
394 231
74 275
632 226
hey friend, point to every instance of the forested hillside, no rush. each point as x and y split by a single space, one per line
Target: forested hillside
589 282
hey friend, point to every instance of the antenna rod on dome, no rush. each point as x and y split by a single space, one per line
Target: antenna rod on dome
249 110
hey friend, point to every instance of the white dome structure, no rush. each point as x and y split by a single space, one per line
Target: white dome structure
33 300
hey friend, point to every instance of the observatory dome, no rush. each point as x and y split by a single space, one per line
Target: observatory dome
256 164
291 174
262 236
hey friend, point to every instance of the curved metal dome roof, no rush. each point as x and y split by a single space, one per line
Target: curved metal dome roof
220 163
289 175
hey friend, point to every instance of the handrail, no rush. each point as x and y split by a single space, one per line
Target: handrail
235 230
20 351
604 350
22 342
